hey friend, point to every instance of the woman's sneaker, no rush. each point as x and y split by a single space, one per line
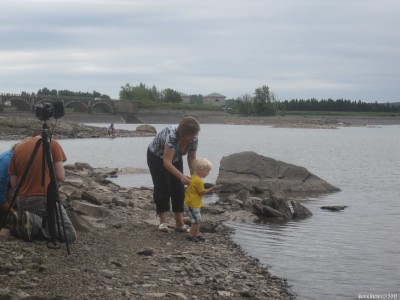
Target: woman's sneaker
183 228
24 227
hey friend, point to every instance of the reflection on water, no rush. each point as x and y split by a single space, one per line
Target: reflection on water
129 180
332 255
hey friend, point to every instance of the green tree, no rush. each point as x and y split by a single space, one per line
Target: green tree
246 105
262 101
196 99
172 96
138 93
66 93
43 92
275 102
154 94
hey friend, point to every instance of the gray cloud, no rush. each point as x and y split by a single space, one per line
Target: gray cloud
300 49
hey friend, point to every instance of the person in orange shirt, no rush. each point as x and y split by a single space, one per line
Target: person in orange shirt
31 198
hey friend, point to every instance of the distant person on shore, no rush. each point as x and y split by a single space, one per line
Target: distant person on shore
164 158
32 196
111 130
193 197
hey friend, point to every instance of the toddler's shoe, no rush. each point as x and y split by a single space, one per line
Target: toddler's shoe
201 238
192 238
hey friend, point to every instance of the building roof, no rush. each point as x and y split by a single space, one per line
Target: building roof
215 95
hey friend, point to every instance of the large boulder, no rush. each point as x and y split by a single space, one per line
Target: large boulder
147 129
258 174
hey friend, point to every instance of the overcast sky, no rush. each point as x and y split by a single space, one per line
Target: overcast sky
299 48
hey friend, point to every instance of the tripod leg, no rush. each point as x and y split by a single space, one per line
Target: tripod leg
54 212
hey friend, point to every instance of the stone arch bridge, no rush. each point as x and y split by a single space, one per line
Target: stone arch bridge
88 105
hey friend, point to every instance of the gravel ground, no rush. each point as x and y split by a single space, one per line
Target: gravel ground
128 258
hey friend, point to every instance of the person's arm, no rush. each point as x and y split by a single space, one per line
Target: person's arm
167 160
199 187
58 160
14 181
59 170
208 191
191 158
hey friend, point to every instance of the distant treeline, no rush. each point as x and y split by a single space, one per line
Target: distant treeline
47 92
338 105
263 102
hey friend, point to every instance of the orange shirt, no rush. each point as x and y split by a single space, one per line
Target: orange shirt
32 185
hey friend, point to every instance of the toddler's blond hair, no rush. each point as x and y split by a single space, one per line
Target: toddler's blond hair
202 163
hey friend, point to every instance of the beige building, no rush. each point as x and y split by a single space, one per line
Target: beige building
215 99
185 97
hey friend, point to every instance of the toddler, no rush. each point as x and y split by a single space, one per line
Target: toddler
193 197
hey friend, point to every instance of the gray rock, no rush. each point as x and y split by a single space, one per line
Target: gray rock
146 128
270 212
80 222
300 211
280 204
253 172
334 207
90 209
91 197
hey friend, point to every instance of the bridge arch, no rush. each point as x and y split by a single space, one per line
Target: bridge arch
21 104
75 106
27 102
101 107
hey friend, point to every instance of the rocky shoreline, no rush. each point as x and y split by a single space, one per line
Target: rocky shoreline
121 254
159 116
16 128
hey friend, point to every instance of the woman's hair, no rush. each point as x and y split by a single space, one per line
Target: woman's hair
188 126
201 163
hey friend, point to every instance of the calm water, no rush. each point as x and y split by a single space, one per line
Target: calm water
328 256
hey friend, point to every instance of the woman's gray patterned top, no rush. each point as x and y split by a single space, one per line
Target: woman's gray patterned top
170 136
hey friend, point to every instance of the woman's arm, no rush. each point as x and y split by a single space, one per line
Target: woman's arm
191 158
167 160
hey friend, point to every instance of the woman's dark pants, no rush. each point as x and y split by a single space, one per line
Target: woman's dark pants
167 187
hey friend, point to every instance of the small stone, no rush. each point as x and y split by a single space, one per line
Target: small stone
146 252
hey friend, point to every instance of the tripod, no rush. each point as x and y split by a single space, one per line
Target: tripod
53 212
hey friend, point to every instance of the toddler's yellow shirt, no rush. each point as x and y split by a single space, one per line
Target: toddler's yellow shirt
192 196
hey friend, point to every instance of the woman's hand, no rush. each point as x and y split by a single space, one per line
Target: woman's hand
185 179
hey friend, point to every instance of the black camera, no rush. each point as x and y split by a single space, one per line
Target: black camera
47 110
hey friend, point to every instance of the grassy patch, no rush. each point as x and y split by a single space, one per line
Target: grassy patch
179 106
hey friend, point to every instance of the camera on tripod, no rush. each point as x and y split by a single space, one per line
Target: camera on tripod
47 110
